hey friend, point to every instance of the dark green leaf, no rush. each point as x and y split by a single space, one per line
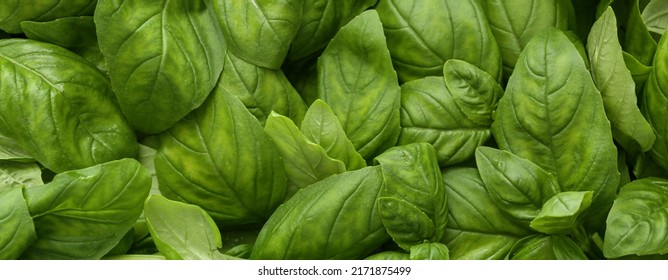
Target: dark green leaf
655 103
634 36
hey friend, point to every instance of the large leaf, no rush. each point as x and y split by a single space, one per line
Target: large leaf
546 247
322 127
82 214
516 185
320 21
13 12
477 229
655 103
305 162
259 31
614 81
18 230
356 79
423 35
16 174
220 159
636 223
412 175
164 57
560 213
552 115
515 22
73 120
429 113
338 217
182 231
262 90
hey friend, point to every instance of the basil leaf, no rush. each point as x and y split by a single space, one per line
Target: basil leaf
82 214
17 174
182 231
260 31
338 216
355 78
429 113
516 185
546 247
430 251
560 213
655 102
220 159
164 57
634 36
305 162
552 115
389 255
639 72
74 122
13 12
475 92
617 87
655 16
477 229
423 35
261 90
322 127
405 223
17 224
514 25
11 151
636 222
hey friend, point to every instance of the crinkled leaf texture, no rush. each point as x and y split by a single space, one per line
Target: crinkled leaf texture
423 35
261 90
546 247
13 12
655 103
477 229
638 219
59 108
356 79
164 57
614 81
413 190
82 214
18 229
305 162
430 114
182 231
552 115
259 31
220 159
516 185
336 218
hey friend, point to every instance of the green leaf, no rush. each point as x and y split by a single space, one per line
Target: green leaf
11 151
82 214
17 174
412 174
655 16
319 23
405 223
13 12
477 229
514 24
261 90
475 92
546 247
516 185
220 159
259 31
634 36
639 72
617 87
305 162
17 224
636 222
356 79
655 103
182 231
322 127
164 57
73 120
389 255
552 115
338 217
560 213
423 35
429 113
430 251
77 34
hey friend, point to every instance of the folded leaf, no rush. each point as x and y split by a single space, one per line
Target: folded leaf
546 247
13 12
559 214
475 92
655 103
405 223
18 230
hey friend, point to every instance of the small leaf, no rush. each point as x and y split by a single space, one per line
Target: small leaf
475 92
559 214
546 247
430 251
655 16
17 174
405 223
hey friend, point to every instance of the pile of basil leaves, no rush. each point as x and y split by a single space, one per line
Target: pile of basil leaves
334 129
